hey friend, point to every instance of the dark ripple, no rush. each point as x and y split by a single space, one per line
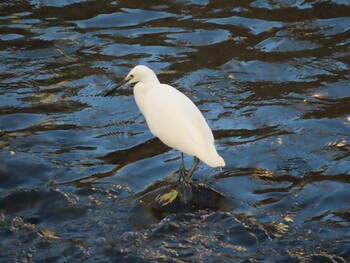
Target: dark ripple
128 17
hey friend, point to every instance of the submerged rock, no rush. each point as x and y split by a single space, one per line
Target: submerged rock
162 199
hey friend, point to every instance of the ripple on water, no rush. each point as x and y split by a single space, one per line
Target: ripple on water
54 3
79 171
129 17
200 37
255 26
278 44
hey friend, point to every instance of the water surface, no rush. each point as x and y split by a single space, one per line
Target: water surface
78 170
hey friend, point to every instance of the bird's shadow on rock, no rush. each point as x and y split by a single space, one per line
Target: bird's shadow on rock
166 197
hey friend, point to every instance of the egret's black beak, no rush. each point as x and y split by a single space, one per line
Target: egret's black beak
121 84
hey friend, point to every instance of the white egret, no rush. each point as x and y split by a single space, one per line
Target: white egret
174 119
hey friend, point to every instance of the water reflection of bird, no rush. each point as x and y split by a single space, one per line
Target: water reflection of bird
174 119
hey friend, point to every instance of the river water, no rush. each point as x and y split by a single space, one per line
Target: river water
80 173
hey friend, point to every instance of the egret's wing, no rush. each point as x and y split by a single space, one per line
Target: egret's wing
175 120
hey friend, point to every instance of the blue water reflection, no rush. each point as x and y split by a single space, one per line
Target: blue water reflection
79 172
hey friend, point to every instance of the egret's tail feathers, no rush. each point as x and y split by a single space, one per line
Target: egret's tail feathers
214 160
218 162
221 162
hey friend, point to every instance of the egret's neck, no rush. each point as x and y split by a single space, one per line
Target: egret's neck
140 90
151 79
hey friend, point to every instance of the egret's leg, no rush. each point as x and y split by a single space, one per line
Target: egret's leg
185 188
190 172
182 168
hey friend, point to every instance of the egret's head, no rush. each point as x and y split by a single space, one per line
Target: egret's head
141 74
137 74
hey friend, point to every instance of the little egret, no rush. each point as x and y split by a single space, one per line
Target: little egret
174 119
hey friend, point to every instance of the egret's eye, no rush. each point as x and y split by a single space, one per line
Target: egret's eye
131 76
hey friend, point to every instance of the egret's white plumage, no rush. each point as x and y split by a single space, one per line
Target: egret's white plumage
173 117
